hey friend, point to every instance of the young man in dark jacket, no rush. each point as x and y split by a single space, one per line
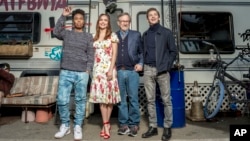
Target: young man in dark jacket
159 54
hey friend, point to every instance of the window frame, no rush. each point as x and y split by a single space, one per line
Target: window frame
137 20
219 43
35 23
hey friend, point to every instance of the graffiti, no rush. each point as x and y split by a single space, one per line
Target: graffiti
246 38
33 4
51 29
246 35
55 53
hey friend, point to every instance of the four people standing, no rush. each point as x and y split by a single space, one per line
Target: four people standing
125 51
129 62
76 64
159 54
104 86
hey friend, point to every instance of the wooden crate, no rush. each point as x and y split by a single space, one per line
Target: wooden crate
24 50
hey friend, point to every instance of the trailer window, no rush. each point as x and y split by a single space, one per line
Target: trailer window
19 27
212 27
142 21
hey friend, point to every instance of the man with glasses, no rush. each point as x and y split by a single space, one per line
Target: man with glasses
129 63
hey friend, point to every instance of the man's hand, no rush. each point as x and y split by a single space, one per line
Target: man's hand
67 11
138 67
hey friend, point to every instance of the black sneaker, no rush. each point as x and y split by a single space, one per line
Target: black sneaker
133 131
123 130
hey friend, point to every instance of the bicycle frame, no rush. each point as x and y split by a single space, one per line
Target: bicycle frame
222 73
219 85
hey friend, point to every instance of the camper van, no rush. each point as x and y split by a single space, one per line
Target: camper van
224 23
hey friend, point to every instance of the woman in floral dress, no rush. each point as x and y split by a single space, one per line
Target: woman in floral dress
104 86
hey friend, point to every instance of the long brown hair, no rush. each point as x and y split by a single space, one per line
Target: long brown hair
108 31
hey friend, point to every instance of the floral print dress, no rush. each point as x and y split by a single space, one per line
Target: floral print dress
102 90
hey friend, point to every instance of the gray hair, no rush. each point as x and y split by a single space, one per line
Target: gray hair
123 14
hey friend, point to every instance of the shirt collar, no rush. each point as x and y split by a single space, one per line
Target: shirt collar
123 33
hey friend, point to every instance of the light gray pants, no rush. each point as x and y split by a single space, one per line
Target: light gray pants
163 80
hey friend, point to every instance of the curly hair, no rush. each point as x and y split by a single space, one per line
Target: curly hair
78 11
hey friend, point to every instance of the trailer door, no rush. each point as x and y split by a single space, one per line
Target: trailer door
138 15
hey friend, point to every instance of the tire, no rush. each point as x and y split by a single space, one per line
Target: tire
214 99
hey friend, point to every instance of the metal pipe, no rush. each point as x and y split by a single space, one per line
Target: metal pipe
162 12
90 3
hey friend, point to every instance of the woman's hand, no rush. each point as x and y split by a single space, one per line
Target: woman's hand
109 75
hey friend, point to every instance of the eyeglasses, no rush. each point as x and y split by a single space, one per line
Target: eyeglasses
124 21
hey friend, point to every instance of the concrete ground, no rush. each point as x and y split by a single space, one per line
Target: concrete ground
13 129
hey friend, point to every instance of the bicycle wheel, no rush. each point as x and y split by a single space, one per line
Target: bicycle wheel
214 99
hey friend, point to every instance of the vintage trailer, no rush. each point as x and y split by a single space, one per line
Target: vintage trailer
224 23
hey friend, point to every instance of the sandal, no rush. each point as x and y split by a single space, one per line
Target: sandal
105 124
102 133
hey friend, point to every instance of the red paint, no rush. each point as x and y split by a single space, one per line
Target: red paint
12 5
5 2
43 3
33 5
51 29
21 2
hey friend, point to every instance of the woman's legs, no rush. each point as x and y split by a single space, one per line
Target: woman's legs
106 110
110 109
103 112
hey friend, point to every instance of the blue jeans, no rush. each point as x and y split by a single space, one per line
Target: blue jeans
129 113
67 81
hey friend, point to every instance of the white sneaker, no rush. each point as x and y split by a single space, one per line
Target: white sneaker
64 130
77 132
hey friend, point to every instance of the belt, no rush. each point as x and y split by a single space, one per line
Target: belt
122 68
163 72
152 66
125 68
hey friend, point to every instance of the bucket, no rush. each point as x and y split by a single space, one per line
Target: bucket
30 116
42 115
177 98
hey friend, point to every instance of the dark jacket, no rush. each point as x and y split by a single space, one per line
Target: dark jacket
6 81
134 47
166 50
